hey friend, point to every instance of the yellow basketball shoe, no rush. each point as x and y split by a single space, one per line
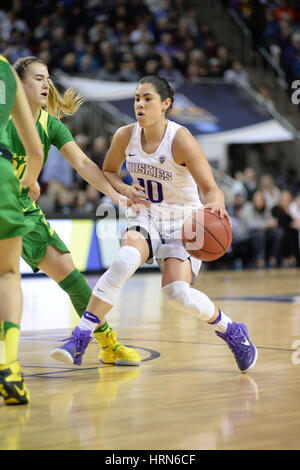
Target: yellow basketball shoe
12 386
112 352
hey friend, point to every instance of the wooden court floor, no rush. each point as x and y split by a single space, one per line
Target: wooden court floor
187 393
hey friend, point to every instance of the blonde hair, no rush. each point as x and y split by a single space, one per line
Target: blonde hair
57 105
62 106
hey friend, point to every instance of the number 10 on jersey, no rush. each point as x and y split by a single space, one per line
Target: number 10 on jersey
153 189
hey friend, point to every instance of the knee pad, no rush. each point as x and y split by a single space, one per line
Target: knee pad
181 296
125 264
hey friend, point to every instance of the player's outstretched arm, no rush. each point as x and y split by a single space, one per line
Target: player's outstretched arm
90 172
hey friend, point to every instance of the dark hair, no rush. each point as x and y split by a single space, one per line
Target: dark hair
161 86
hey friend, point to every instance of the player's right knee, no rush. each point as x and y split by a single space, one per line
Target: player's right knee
126 263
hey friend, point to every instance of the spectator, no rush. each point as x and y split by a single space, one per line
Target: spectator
88 61
270 191
290 240
107 52
284 11
10 22
237 75
64 201
271 30
151 67
250 182
197 57
69 63
223 57
93 200
109 71
285 34
100 31
166 45
210 48
17 49
82 141
42 31
265 98
142 48
295 214
291 58
238 186
295 207
57 169
124 45
193 74
252 12
215 68
141 31
80 207
171 73
206 32
241 238
98 150
265 234
59 45
129 70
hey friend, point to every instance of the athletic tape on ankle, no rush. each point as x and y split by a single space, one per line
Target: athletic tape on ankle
110 284
181 296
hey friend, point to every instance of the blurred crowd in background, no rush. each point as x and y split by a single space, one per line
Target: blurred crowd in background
117 40
274 24
122 40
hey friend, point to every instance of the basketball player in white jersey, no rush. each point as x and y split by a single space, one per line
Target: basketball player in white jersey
167 166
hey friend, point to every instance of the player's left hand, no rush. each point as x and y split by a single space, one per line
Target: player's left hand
218 208
34 188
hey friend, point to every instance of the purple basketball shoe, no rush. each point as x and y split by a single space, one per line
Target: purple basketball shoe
244 351
72 351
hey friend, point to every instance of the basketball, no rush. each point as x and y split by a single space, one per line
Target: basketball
206 236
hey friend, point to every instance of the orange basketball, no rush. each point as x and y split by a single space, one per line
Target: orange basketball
206 236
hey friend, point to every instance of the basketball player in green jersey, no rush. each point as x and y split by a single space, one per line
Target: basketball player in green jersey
12 227
42 247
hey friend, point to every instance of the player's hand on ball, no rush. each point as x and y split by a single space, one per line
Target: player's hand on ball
218 208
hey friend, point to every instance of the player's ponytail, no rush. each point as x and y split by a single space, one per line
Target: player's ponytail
62 106
57 105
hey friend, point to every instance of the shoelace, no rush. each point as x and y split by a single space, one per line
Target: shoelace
234 341
79 338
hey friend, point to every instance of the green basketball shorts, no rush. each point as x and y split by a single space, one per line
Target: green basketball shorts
36 240
11 212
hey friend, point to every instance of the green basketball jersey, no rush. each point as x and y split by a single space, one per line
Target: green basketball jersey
8 89
51 132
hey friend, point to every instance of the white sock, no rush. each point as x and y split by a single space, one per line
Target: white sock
222 322
88 321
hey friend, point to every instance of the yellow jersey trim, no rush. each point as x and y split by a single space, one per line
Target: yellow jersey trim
43 120
3 59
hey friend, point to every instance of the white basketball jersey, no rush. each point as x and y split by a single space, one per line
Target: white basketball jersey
166 183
